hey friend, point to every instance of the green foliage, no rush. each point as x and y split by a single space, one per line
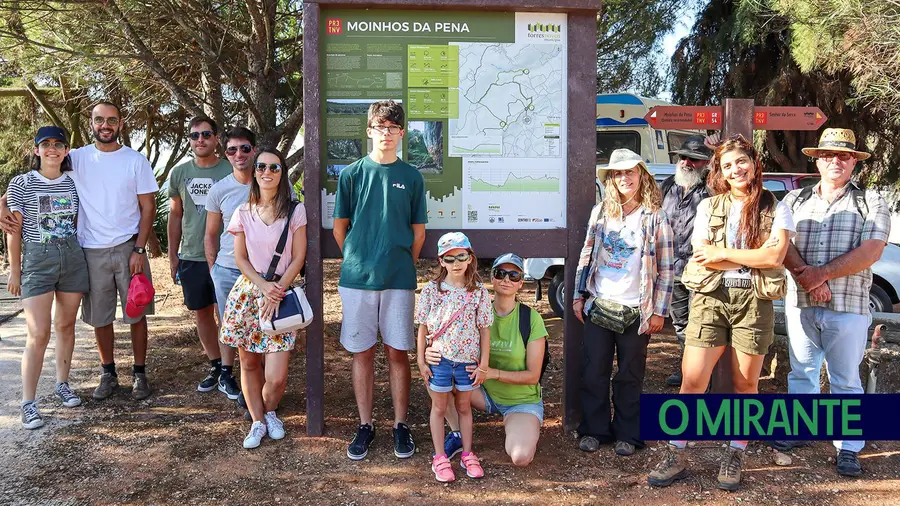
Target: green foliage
161 222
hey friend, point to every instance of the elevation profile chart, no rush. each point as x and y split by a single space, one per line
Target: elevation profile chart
528 180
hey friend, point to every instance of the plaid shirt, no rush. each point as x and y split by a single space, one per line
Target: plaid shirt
826 231
657 263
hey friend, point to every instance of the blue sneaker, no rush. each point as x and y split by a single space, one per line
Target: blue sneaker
452 444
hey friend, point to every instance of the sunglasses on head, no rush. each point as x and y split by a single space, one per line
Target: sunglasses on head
449 259
196 135
261 167
513 276
245 148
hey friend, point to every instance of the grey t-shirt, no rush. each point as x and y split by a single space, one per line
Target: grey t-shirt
225 197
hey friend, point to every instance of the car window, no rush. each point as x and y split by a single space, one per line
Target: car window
777 187
808 181
607 142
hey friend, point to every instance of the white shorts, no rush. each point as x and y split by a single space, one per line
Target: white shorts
365 312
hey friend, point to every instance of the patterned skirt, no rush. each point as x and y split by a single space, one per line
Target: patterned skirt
240 324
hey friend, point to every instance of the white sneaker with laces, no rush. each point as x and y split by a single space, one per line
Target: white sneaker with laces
274 426
255 436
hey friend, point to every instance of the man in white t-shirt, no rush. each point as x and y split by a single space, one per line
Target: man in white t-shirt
116 188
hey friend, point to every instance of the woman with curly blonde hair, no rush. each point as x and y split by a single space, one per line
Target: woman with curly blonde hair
624 285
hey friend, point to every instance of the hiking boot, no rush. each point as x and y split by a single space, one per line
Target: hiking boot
624 449
67 396
672 467
730 469
31 417
452 444
274 426
589 444
359 447
228 386
470 463
786 446
443 470
140 387
674 380
108 385
209 383
255 436
848 463
404 446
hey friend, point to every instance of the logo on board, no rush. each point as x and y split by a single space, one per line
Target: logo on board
333 26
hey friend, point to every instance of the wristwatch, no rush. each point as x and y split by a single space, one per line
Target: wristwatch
139 250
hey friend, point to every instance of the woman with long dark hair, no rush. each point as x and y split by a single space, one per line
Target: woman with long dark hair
45 203
257 227
741 236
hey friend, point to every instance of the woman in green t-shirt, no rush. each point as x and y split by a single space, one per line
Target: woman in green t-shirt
513 386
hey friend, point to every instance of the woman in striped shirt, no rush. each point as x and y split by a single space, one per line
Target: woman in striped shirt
45 203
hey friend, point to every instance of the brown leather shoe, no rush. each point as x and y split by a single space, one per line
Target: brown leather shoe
672 467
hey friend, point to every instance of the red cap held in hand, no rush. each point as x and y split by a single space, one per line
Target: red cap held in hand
140 294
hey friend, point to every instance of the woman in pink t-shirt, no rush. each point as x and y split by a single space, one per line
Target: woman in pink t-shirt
257 227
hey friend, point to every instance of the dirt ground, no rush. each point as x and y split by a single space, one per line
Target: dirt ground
184 447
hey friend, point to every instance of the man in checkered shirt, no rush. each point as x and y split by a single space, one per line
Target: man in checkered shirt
841 232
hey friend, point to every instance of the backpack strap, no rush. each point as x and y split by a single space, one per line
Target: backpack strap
525 323
804 195
859 198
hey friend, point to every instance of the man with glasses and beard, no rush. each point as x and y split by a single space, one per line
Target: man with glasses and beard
682 193
116 189
189 186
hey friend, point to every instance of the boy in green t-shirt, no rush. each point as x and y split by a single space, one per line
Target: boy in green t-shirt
379 224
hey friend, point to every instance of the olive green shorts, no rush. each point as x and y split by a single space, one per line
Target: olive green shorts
731 316
54 266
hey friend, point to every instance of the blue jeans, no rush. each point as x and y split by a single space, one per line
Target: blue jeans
493 407
818 334
223 279
449 374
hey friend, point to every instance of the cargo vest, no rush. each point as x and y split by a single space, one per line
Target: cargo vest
768 284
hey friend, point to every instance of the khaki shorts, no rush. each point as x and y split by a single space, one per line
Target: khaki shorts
109 274
731 316
55 266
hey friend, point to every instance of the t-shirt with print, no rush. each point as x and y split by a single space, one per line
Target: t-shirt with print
225 197
783 221
192 183
49 207
461 341
108 185
382 202
618 274
261 239
508 354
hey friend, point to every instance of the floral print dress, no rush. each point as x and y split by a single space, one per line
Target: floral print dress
240 323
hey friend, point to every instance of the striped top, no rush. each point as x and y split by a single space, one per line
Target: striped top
49 206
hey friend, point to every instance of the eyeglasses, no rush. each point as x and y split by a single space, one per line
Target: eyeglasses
387 129
842 156
245 148
451 259
58 145
514 276
196 135
274 168
111 121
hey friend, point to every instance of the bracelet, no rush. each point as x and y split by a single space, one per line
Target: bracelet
480 369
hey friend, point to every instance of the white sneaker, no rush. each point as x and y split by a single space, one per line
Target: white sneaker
255 436
274 425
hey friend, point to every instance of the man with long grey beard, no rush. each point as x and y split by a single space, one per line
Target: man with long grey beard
682 192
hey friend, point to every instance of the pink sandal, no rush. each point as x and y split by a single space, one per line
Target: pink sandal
443 470
470 463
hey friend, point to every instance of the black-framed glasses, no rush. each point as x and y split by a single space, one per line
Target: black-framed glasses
196 135
245 148
111 121
58 145
387 129
514 276
450 259
261 167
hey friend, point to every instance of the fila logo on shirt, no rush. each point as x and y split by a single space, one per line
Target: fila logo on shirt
399 185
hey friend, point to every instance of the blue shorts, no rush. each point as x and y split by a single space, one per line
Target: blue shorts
492 407
449 374
223 279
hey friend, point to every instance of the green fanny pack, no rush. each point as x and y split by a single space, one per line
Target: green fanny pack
612 315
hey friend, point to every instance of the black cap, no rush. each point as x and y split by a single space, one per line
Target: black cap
51 132
693 147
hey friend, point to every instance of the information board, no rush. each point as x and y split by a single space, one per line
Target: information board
485 101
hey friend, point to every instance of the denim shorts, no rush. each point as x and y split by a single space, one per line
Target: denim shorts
448 374
492 407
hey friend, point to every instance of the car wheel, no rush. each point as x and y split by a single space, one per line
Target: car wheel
556 293
879 300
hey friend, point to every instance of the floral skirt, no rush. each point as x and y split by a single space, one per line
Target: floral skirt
240 324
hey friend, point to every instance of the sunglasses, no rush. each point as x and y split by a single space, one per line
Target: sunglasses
196 135
842 156
690 160
450 259
245 148
514 276
58 145
261 167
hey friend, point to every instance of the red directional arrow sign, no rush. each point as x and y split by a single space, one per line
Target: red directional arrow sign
788 118
677 117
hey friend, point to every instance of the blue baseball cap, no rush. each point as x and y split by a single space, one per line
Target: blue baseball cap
51 132
453 240
509 258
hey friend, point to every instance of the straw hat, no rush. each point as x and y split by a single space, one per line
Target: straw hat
622 159
837 139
